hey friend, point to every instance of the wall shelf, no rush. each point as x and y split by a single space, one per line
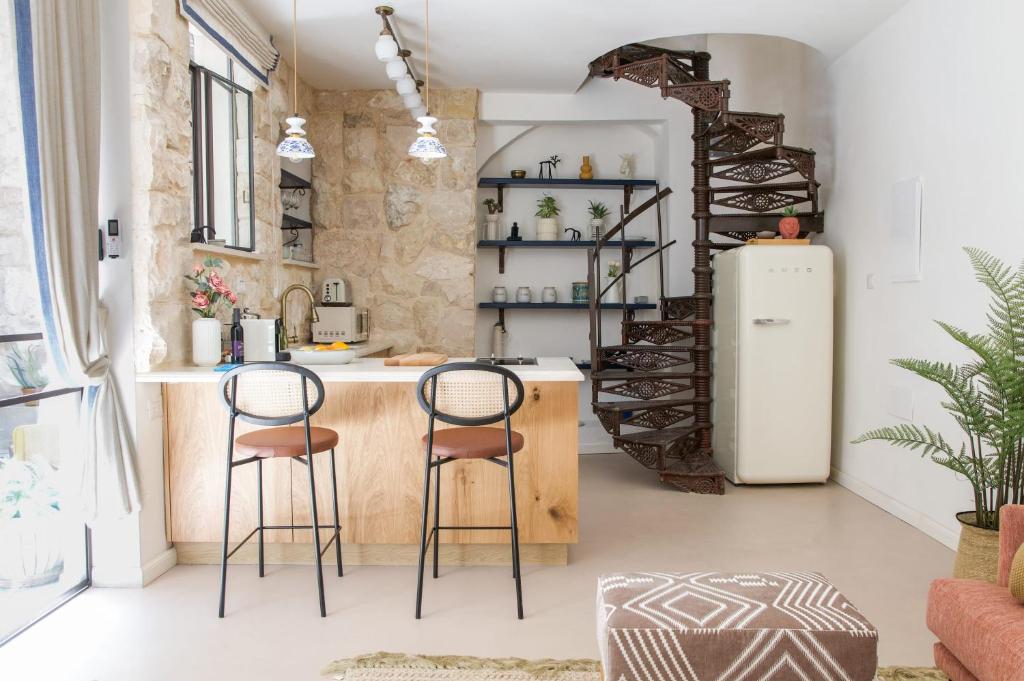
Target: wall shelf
288 262
627 186
228 252
292 222
293 181
502 244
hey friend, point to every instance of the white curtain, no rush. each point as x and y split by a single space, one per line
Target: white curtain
59 82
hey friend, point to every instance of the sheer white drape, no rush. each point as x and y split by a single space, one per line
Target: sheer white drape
59 81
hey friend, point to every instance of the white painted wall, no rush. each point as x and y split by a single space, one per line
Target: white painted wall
132 550
926 94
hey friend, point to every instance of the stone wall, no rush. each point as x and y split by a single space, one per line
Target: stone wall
19 294
400 231
162 203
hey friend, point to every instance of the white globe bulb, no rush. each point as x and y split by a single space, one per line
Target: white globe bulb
419 111
406 86
386 48
412 101
396 69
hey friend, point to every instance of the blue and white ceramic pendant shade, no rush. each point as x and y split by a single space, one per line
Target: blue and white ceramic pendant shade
295 147
426 147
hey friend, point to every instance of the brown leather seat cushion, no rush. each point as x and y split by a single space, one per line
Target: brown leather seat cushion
285 441
473 442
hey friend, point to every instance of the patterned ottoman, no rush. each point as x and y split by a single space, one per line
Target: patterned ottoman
717 626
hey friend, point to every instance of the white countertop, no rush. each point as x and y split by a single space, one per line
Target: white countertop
367 370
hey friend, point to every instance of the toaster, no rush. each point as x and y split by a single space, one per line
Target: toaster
348 324
334 292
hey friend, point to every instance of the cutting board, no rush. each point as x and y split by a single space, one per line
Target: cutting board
416 359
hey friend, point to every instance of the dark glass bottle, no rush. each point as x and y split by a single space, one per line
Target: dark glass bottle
237 337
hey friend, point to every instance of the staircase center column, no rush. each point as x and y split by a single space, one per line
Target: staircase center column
702 261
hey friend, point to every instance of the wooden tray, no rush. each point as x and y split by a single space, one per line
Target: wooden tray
416 359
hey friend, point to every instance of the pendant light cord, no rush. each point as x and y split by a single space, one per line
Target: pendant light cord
426 48
295 59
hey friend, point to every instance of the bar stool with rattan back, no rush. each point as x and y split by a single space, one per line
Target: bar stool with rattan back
277 394
472 396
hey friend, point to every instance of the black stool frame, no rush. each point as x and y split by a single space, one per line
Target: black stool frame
229 393
432 466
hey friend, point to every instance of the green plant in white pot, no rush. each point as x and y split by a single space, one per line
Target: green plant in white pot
598 212
547 225
30 525
986 398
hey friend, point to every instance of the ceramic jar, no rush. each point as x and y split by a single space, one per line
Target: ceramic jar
580 292
549 295
499 295
491 228
206 347
523 294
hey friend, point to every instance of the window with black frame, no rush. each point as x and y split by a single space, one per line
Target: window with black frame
222 144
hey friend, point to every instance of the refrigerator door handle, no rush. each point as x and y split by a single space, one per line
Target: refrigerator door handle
770 321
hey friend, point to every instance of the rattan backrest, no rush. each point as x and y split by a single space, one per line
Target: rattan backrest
271 393
470 394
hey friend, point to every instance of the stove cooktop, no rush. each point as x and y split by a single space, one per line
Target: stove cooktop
508 361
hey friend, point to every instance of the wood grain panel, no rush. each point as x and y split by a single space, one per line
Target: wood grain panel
197 432
380 470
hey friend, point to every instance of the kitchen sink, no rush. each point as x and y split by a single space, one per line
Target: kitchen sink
508 361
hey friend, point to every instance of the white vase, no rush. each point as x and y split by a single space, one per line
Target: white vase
547 229
206 342
491 230
596 228
614 294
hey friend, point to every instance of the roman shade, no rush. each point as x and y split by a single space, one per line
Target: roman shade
226 23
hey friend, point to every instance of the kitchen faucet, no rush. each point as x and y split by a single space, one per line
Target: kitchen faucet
314 317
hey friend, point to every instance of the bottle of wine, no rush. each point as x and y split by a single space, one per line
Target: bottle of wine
237 337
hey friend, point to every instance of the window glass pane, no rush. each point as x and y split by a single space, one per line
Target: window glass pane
223 163
42 535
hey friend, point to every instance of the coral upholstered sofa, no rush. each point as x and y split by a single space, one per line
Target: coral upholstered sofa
980 625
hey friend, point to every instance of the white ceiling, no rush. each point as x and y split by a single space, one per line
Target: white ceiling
538 45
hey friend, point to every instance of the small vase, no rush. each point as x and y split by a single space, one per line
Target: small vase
614 294
977 554
491 230
580 292
547 229
596 229
586 171
206 342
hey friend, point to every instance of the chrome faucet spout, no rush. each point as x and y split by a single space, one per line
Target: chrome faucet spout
294 338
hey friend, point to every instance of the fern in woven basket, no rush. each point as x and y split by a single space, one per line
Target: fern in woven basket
985 396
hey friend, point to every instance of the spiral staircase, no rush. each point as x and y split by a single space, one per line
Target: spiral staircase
652 387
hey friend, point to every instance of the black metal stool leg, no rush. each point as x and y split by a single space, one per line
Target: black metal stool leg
437 516
259 508
337 527
316 536
515 537
423 530
227 517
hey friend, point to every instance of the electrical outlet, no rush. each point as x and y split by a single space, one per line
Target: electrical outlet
155 409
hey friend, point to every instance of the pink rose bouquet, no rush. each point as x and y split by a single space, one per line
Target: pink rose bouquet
208 289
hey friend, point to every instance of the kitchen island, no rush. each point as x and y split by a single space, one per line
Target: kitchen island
380 471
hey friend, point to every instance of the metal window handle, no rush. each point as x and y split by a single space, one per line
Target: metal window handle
770 321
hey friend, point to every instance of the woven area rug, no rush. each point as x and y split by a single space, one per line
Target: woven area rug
399 667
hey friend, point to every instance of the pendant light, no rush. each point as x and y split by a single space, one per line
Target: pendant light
295 146
426 146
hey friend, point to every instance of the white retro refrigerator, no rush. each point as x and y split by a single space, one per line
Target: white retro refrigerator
772 361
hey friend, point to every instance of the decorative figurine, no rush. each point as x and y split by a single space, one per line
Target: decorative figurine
551 164
789 225
626 167
586 171
514 236
576 234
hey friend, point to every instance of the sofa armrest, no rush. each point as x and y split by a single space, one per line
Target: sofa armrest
1011 537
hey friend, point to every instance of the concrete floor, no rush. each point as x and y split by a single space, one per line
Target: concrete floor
169 630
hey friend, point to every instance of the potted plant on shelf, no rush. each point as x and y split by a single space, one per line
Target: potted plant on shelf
614 294
986 398
789 223
491 229
26 367
30 525
547 226
598 212
209 293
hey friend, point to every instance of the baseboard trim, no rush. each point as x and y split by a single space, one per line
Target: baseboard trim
897 508
134 577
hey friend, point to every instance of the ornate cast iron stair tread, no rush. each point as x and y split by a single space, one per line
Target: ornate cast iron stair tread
757 222
767 187
699 474
771 153
662 438
637 374
636 405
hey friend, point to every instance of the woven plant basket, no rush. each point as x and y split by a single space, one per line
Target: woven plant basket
977 555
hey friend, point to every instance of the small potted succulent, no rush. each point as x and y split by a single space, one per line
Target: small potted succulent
209 293
491 230
26 368
30 525
598 212
547 225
